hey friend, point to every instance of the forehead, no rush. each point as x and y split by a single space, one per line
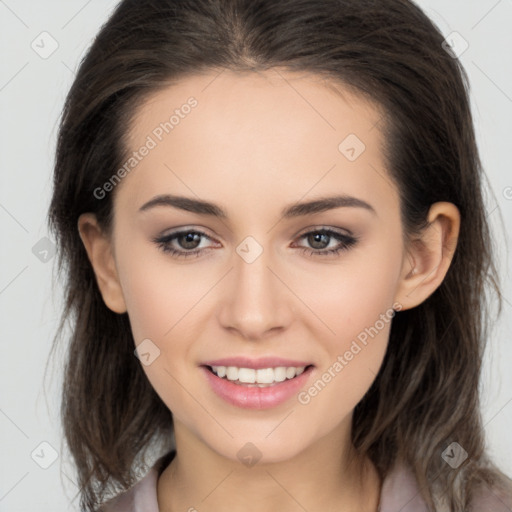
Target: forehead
276 132
269 102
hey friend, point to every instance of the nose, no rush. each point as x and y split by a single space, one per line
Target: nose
255 302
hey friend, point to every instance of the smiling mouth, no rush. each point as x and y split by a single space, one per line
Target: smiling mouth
262 377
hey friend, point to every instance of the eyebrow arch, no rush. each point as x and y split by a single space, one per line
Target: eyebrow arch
296 210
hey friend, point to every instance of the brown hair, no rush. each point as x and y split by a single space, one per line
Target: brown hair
426 393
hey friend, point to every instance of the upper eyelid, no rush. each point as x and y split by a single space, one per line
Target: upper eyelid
320 227
179 231
341 238
315 229
337 231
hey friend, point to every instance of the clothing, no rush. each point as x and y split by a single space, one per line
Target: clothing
399 493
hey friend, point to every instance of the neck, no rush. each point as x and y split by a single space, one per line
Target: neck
329 475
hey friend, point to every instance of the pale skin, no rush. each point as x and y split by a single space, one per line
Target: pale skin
254 145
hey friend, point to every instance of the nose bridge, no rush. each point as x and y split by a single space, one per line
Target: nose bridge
255 302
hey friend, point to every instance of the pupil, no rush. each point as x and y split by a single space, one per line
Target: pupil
190 240
319 240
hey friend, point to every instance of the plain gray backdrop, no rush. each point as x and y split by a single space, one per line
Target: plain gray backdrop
42 43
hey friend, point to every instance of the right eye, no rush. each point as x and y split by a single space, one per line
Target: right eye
182 244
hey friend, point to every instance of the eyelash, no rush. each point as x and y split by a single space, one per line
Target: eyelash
346 242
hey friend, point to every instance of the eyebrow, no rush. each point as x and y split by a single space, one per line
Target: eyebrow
201 207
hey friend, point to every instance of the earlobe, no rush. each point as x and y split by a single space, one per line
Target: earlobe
429 256
99 251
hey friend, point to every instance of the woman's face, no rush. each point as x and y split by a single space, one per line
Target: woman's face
301 269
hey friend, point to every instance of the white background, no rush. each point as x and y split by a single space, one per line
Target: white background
32 91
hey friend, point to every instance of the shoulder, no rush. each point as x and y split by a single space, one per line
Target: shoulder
142 497
497 498
400 491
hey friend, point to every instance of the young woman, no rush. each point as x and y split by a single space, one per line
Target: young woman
271 221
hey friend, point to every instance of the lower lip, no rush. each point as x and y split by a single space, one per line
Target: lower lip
255 397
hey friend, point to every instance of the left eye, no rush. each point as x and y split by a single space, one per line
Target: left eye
188 243
320 240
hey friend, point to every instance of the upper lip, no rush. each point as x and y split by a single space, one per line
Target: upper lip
262 362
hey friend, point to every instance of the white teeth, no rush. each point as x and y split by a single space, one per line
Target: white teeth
232 373
265 376
280 373
261 376
247 375
291 372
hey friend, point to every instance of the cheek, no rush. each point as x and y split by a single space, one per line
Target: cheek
159 303
354 304
343 381
360 315
163 301
150 307
348 316
351 296
158 293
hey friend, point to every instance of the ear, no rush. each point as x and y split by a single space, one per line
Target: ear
99 250
429 256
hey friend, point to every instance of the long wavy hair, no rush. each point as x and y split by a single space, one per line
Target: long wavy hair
426 394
